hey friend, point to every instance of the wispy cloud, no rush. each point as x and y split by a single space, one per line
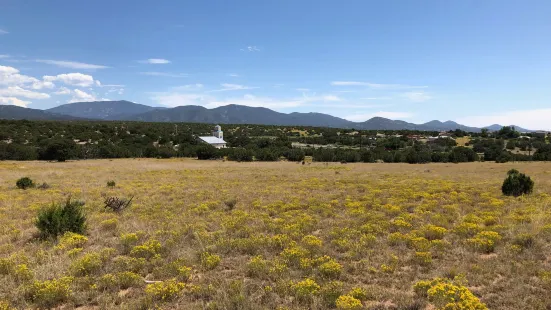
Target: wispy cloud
155 61
375 85
233 75
209 100
230 87
418 96
189 87
71 64
361 117
251 48
535 119
377 98
2 31
4 56
165 74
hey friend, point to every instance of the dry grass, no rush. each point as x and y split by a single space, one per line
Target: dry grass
343 226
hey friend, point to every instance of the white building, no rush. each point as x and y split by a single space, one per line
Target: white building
217 138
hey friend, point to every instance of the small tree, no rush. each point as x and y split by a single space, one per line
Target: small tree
517 184
60 150
24 183
206 152
57 219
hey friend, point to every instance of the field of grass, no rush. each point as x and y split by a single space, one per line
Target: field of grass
227 235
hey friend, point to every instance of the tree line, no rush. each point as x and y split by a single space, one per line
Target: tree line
60 141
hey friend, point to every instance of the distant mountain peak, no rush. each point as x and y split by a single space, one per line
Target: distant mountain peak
106 110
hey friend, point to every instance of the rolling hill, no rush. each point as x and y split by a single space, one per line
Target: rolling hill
229 114
15 112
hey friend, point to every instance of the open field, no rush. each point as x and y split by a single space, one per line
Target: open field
298 237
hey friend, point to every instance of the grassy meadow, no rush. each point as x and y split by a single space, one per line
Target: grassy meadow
227 235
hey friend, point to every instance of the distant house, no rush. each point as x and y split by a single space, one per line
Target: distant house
539 133
217 138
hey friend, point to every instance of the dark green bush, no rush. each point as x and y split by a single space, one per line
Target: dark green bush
57 219
24 183
517 184
206 152
111 183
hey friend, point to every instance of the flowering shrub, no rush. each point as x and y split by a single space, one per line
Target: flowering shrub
306 289
49 293
209 261
330 269
485 241
147 250
71 240
447 294
164 291
347 302
88 264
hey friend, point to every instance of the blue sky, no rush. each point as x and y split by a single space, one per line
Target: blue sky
476 62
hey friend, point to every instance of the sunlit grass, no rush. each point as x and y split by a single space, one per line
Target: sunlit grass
317 236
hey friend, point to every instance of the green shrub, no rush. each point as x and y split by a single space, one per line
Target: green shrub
58 219
24 183
111 183
517 184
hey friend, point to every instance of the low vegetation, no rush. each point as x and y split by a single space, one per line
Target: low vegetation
227 235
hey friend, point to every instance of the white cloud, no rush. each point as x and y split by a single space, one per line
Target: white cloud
228 87
375 85
79 96
165 74
156 61
43 84
233 75
419 96
16 91
537 119
14 101
4 56
251 48
74 79
362 117
71 64
2 31
63 91
11 76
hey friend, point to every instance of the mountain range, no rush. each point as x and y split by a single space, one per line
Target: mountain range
229 114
